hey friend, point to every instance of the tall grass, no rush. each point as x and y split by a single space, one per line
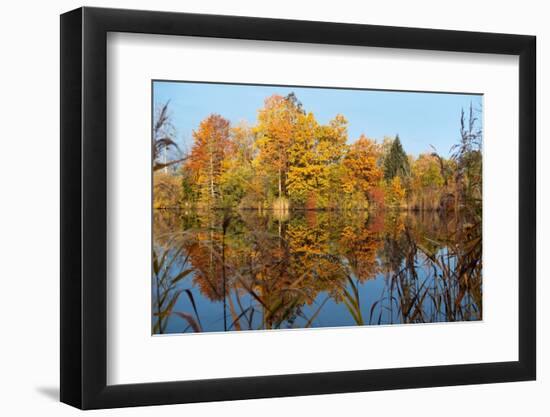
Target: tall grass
169 268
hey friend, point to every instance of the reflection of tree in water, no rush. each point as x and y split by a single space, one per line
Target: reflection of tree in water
268 271
359 247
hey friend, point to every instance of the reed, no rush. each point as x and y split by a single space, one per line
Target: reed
169 268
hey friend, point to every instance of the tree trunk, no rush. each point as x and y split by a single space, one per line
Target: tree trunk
211 177
280 183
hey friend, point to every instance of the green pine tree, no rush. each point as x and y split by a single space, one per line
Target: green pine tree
396 162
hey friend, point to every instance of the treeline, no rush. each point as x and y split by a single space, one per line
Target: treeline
289 160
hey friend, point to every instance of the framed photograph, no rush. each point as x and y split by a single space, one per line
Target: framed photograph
256 208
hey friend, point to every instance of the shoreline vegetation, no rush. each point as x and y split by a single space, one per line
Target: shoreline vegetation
289 161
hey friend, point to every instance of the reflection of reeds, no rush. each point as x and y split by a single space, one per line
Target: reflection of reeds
460 269
449 287
166 291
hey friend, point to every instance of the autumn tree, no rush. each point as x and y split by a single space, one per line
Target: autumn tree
275 131
211 144
361 169
426 182
329 152
395 192
237 179
314 156
243 143
303 166
426 171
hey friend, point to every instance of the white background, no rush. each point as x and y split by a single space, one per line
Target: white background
134 356
29 218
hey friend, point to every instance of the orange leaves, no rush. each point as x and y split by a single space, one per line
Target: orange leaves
361 165
275 129
207 155
211 141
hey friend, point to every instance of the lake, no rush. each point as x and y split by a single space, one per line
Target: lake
235 270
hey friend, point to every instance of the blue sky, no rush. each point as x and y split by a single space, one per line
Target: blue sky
420 119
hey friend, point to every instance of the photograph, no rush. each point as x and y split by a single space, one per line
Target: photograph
291 207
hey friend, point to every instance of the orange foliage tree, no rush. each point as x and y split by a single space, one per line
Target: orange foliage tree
211 146
362 172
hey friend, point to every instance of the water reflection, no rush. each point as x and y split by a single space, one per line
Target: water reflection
249 269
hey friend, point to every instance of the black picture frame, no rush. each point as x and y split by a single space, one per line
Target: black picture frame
84 207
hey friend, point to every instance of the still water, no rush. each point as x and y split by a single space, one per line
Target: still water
256 270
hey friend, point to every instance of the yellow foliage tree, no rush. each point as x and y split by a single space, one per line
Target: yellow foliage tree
426 182
395 192
304 167
275 131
